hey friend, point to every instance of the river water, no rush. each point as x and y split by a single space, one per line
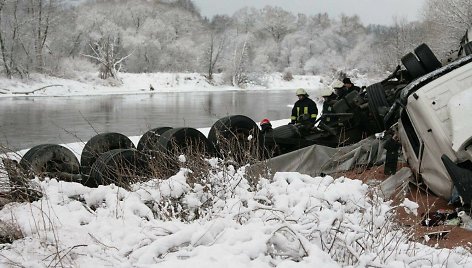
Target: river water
29 121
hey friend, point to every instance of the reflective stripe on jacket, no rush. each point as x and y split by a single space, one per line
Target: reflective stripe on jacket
304 106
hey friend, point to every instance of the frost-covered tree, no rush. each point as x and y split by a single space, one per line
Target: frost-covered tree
172 36
238 59
25 29
104 40
9 38
214 52
392 43
41 14
245 20
295 51
447 22
276 22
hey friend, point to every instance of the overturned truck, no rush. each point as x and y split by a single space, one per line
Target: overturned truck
422 103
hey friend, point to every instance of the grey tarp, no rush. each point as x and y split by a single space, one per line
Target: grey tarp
317 159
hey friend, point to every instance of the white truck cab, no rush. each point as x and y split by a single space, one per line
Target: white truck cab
435 128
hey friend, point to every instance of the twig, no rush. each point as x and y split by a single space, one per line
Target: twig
29 92
99 242
65 254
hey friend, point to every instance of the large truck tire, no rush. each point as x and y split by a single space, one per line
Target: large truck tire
285 132
50 159
178 140
230 136
413 66
28 157
100 144
231 127
427 58
150 140
378 105
119 166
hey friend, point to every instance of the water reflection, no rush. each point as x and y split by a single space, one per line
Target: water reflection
25 122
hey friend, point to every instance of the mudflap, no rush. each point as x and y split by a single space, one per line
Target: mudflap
462 179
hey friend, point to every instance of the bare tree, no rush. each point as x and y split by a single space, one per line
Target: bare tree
13 38
245 20
239 63
447 22
2 42
107 52
217 41
216 46
277 22
396 41
40 12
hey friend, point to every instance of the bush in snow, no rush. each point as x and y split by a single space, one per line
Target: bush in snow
288 76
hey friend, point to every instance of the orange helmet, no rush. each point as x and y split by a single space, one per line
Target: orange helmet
264 121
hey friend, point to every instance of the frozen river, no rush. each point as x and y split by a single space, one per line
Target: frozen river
29 121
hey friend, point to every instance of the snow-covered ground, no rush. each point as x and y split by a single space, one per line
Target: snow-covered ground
285 220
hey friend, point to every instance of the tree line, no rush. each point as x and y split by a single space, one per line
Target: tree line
111 36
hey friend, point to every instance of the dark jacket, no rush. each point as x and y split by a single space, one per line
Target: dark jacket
304 106
341 92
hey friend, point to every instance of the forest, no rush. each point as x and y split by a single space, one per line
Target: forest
59 37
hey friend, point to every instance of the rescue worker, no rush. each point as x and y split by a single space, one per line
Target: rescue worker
338 88
303 106
329 99
269 146
348 87
266 126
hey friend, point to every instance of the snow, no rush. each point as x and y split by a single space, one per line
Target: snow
290 220
287 219
90 84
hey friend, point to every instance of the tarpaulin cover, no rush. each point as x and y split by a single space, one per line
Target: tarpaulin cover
317 159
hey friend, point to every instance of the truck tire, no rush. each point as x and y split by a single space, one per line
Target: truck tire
25 162
427 58
100 144
413 66
50 158
232 126
150 140
177 140
230 138
119 166
285 132
377 104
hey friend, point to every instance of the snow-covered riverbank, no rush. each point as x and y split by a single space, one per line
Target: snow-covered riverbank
90 84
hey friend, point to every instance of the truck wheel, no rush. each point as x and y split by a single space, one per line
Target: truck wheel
413 66
50 158
100 144
427 58
230 127
177 140
25 162
378 105
150 140
230 137
285 132
119 166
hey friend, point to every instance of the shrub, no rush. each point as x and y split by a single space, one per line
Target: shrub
288 76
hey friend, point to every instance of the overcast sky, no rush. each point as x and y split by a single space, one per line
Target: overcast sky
370 11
